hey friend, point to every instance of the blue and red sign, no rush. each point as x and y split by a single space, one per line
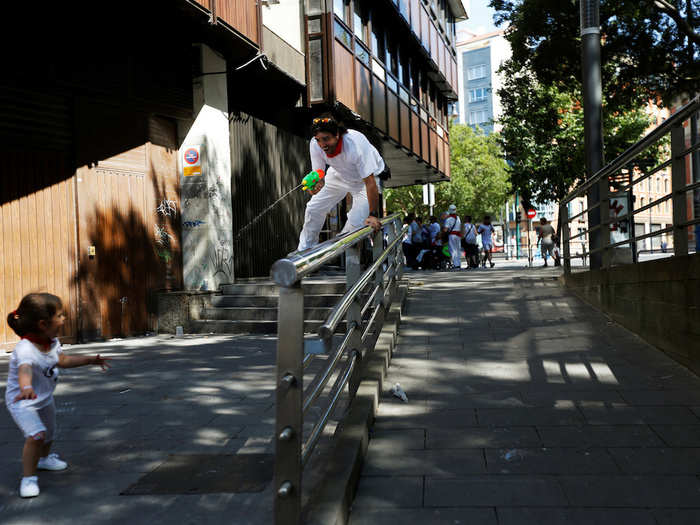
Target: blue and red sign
191 156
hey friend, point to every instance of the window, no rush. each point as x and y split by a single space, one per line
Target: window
658 184
666 186
477 95
359 21
378 43
478 117
340 8
403 8
415 80
404 68
475 72
391 62
316 68
343 35
642 202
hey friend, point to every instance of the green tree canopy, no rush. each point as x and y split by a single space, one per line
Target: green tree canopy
645 56
479 182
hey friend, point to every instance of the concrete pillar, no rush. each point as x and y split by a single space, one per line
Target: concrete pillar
207 228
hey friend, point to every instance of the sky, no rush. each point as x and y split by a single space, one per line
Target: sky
480 18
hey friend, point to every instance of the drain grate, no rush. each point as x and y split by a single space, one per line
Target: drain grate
206 474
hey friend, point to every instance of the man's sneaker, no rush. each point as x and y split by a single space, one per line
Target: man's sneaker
29 487
52 462
493 264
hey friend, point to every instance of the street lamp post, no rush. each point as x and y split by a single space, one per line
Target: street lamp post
593 126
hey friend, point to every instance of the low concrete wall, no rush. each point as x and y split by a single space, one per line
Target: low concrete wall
179 309
658 300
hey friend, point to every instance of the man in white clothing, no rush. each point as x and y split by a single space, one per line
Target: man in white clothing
453 227
352 165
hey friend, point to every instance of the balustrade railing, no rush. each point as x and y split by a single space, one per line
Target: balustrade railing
363 307
619 240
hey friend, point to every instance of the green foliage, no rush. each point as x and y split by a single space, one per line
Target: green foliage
479 182
644 58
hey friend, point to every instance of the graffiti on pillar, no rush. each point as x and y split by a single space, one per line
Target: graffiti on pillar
167 208
193 224
222 262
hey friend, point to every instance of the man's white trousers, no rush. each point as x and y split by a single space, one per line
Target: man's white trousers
455 250
334 191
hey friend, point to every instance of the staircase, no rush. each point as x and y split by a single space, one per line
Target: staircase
251 307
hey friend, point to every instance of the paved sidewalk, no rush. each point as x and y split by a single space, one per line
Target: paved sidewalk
191 395
526 406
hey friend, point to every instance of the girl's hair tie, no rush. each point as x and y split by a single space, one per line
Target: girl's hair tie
14 314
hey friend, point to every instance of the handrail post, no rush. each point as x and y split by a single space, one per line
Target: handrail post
377 250
289 400
399 250
679 199
565 234
353 272
604 232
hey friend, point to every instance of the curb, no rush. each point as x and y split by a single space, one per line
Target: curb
331 506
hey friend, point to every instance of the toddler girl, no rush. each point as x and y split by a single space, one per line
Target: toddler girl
32 379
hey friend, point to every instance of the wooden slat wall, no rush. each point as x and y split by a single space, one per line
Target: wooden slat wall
363 95
415 133
433 149
342 64
424 142
37 234
446 153
405 115
379 104
242 15
393 107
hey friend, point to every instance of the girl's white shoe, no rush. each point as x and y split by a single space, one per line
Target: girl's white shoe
29 487
52 462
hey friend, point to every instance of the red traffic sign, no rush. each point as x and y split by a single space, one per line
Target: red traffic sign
531 213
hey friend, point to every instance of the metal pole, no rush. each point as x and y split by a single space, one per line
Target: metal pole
593 123
529 244
517 229
289 403
678 181
630 207
695 156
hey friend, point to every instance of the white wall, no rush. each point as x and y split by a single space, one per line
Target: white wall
207 223
286 21
500 52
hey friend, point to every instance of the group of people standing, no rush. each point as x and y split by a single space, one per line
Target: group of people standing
430 245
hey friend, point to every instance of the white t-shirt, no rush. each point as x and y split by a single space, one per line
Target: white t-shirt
434 231
357 160
486 232
469 233
453 224
44 373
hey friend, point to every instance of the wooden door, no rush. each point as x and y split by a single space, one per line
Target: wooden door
128 236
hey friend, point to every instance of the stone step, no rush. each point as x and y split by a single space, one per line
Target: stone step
270 301
268 288
234 313
249 327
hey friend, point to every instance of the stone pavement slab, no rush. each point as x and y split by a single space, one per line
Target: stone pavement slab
527 406
162 396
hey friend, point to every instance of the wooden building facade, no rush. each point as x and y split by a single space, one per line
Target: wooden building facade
90 197
392 64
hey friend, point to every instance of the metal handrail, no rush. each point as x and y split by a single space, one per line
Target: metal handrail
326 330
630 153
286 272
292 401
679 150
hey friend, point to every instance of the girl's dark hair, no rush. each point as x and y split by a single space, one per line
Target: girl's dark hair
33 308
328 123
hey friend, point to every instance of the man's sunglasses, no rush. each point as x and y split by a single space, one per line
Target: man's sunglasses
319 120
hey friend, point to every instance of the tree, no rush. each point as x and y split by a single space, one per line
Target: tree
644 57
543 136
644 52
479 182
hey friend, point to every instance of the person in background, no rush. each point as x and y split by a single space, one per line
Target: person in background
545 235
409 251
471 249
434 229
486 230
453 227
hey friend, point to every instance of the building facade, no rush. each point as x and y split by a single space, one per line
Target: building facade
479 58
147 160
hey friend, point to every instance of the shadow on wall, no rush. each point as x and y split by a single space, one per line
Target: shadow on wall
127 253
266 162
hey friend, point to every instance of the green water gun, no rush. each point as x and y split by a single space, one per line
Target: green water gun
309 182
